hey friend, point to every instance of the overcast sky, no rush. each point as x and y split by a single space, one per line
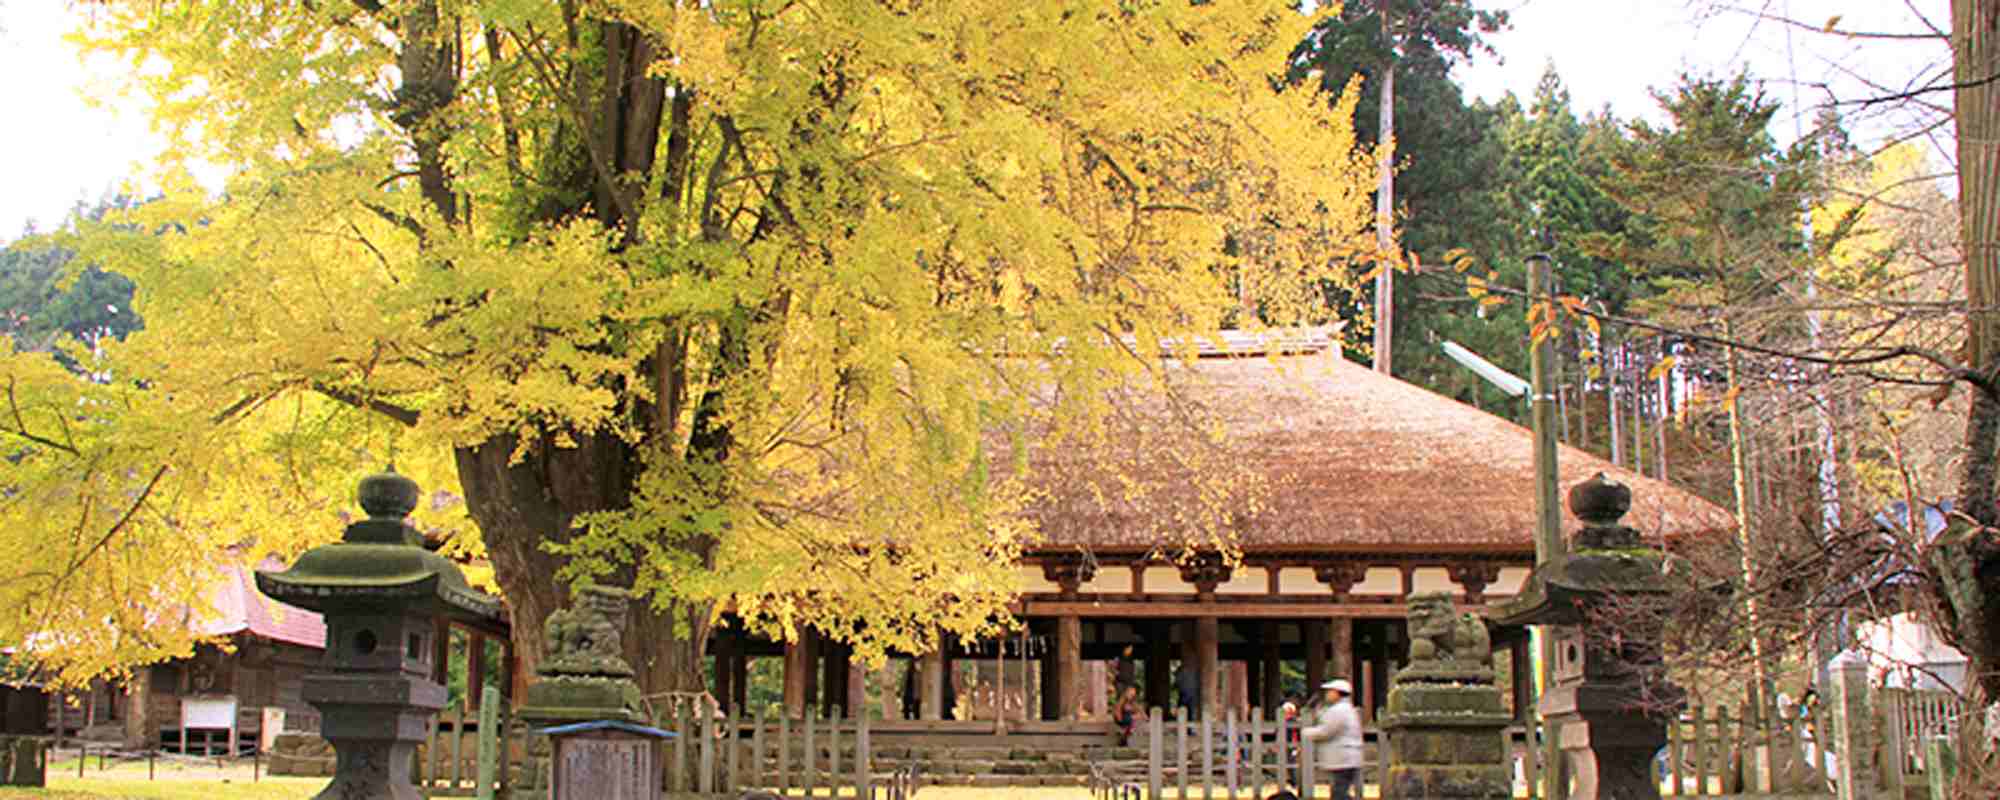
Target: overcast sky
58 150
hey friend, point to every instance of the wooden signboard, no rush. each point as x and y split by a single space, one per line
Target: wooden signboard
605 765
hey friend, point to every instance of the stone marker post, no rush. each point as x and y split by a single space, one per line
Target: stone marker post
1853 726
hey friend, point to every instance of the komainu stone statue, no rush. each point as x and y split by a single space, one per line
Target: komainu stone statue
1439 632
1446 722
584 639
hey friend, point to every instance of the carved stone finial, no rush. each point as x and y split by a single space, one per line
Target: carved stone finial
1600 502
388 496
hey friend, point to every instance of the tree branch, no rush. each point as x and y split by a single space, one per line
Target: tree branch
408 416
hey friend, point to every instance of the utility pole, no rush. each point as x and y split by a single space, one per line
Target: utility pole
1548 515
1385 203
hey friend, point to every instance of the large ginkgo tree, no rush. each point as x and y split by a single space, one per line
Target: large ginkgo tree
759 305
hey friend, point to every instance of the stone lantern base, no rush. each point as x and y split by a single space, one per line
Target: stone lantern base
374 723
1447 735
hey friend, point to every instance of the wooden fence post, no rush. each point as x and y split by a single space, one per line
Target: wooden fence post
1207 754
1180 758
731 778
784 745
1896 718
864 757
807 779
1940 766
1307 780
1229 766
833 751
1284 777
704 724
1257 751
759 779
1153 754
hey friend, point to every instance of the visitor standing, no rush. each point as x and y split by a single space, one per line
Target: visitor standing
1124 672
1336 740
1187 684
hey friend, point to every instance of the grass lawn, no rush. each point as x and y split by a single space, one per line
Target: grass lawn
205 779
173 778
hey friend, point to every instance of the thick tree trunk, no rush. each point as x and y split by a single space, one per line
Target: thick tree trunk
521 505
1972 575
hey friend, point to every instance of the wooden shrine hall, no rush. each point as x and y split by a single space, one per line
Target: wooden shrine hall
1370 489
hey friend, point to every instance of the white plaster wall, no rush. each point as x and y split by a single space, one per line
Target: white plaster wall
1380 580
1166 580
1111 580
1244 580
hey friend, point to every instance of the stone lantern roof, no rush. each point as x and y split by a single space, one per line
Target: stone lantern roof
1604 558
379 561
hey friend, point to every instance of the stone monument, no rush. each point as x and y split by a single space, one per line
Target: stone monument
582 680
1605 700
1446 724
381 594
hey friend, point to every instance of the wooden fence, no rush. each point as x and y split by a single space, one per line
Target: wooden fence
1233 756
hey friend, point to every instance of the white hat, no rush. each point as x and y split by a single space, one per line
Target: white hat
1339 685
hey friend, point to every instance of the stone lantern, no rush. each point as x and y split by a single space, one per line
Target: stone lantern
381 594
1605 700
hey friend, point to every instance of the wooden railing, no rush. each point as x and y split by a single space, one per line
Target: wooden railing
1711 751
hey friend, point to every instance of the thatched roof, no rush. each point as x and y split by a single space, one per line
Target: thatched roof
1347 459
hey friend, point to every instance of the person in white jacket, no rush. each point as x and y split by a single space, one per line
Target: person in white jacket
1336 740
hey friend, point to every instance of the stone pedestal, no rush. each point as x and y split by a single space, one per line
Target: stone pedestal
1445 719
583 679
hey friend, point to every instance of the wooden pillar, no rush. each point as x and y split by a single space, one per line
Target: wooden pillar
739 682
1340 641
1255 691
1273 675
515 680
1316 636
931 673
857 685
796 667
1237 694
440 647
1159 650
809 643
953 690
1069 666
1097 689
1524 678
833 678
1207 636
475 668
721 649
